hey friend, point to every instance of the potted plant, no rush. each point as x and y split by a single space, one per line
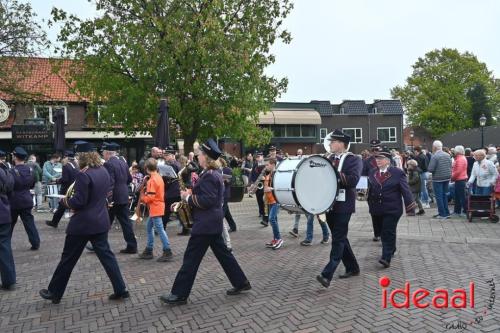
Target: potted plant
237 186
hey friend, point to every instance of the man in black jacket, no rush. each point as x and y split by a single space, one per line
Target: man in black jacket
423 162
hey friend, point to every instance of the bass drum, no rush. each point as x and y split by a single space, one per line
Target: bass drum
306 185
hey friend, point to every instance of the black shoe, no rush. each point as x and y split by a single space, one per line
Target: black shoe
166 256
173 299
116 297
34 248
232 230
265 224
89 247
45 294
347 275
184 232
146 254
323 280
306 242
421 212
376 238
50 223
10 287
128 250
384 263
236 291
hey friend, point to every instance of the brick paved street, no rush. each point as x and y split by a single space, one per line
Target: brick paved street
285 295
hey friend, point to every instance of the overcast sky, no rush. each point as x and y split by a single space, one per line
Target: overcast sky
360 49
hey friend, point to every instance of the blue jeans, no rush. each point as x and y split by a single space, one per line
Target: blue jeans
273 219
157 222
460 197
310 228
482 190
424 196
440 192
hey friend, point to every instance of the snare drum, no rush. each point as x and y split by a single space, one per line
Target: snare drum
306 185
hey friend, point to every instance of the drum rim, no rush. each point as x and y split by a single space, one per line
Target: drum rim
294 195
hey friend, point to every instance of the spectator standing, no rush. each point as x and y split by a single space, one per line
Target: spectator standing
247 166
440 167
484 173
459 176
38 173
414 183
423 163
52 171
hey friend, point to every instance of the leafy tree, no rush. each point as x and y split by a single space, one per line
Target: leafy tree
21 36
480 104
439 93
208 57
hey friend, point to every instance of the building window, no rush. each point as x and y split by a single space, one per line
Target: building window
356 134
45 112
279 131
375 110
386 134
342 110
323 132
292 131
308 131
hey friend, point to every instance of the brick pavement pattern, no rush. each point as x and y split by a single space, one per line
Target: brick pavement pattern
285 296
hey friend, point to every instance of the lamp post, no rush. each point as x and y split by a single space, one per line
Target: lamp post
482 122
412 134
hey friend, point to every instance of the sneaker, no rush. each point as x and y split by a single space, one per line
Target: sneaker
426 205
437 216
278 244
146 254
325 240
306 242
166 256
294 233
444 217
271 243
264 223
421 212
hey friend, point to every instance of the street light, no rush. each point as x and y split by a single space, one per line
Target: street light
412 134
482 122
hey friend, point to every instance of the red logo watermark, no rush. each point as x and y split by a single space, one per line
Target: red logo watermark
422 298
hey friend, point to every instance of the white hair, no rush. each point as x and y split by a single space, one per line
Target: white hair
492 150
460 150
438 145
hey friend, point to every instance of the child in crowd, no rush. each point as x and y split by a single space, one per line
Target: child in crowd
153 197
277 242
414 182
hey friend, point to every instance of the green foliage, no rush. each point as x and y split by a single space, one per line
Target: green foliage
437 95
237 179
208 57
21 36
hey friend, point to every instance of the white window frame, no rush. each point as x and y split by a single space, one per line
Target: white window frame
356 138
321 137
395 137
375 110
51 107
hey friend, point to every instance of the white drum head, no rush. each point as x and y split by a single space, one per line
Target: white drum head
315 184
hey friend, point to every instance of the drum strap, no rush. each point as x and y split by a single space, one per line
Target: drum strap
342 159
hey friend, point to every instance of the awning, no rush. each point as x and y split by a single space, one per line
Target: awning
104 135
290 116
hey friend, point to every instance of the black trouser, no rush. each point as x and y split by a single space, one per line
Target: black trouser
377 226
7 266
121 213
28 223
228 216
389 225
259 195
58 214
73 248
195 251
341 249
166 216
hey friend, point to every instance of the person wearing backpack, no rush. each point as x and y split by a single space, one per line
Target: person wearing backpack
21 200
7 266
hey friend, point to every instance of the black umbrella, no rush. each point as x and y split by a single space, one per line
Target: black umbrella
162 138
59 135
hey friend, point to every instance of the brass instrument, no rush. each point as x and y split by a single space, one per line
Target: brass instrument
182 208
70 192
258 184
140 209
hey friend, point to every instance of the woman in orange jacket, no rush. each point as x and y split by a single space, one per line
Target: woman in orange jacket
153 197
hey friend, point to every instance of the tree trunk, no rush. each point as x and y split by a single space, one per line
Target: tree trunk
188 143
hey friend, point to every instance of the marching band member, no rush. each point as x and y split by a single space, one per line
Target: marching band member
206 202
69 172
349 167
227 174
277 241
90 223
21 200
120 177
257 169
387 189
172 189
7 266
369 165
